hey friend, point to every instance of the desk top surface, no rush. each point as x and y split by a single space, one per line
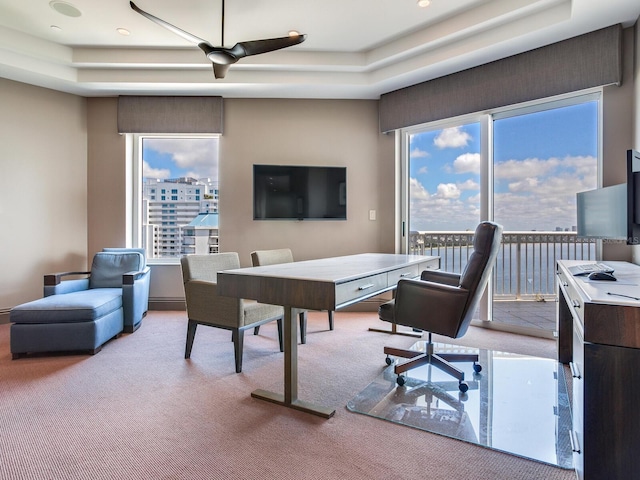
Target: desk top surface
334 269
624 291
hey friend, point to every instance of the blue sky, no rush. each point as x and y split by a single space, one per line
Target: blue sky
541 161
180 157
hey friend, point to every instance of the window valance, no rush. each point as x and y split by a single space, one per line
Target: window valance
149 114
586 61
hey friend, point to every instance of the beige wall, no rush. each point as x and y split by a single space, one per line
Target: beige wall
43 188
310 132
106 177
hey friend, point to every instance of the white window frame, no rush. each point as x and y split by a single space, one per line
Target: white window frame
134 188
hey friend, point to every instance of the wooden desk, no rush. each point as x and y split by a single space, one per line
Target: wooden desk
599 336
324 284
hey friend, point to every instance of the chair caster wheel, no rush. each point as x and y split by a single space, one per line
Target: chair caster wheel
388 361
463 387
400 380
477 368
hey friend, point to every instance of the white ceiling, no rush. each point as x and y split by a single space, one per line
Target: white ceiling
354 48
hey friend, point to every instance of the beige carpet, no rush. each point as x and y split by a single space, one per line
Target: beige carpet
138 410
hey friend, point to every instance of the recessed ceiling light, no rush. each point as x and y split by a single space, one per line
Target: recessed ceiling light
55 28
123 31
424 3
65 8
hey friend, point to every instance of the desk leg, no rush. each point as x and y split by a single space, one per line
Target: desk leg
290 397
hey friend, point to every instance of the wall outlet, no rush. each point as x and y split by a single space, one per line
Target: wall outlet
372 214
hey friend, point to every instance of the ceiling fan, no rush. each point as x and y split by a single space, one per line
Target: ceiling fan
223 57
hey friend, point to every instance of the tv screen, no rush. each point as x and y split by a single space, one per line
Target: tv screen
288 192
602 213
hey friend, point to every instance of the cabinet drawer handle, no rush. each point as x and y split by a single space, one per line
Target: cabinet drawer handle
565 284
575 371
575 303
366 287
573 439
407 274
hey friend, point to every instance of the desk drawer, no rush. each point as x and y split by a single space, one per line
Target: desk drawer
574 299
430 265
362 287
412 271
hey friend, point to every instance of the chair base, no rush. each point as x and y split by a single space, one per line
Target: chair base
443 361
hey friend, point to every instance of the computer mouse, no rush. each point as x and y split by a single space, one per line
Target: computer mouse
602 276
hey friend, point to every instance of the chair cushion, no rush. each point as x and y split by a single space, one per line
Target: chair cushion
256 312
108 267
83 306
141 251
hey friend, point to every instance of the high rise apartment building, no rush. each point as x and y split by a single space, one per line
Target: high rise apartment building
180 216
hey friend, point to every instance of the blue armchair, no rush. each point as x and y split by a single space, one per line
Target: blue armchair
84 313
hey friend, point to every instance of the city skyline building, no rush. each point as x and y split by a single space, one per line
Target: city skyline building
180 216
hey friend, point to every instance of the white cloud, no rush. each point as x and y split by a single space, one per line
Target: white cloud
525 185
467 163
469 185
522 169
541 194
447 190
452 138
418 192
195 154
149 172
418 153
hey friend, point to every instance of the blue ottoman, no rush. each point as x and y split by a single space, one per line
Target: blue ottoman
79 321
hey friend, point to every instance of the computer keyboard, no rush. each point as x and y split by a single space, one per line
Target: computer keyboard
587 268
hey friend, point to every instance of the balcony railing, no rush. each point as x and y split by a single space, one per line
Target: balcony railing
526 262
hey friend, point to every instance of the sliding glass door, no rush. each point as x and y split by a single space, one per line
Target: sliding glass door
519 167
541 158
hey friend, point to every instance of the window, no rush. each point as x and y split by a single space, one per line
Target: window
520 166
174 166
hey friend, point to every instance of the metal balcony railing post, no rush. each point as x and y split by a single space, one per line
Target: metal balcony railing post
518 269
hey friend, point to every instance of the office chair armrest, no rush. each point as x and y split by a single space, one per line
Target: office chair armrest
427 305
437 276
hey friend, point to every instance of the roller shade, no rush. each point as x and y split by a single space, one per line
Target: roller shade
586 61
147 114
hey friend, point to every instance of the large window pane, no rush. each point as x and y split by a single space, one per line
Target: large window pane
444 192
179 196
540 161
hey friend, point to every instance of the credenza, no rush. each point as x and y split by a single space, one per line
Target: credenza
599 337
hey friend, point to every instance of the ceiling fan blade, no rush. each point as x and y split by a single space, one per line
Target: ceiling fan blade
219 71
256 47
168 26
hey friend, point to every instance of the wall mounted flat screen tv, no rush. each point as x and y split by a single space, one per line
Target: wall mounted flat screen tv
295 192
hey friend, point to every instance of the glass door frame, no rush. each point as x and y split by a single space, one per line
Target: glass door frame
486 120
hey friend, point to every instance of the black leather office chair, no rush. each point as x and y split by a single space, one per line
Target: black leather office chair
443 303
